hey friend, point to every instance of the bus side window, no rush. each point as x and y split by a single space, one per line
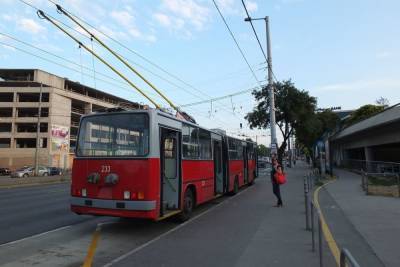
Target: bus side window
170 170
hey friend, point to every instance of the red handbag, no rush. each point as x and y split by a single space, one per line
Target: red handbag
280 178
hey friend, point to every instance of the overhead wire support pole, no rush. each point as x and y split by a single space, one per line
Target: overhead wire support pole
42 15
62 11
271 94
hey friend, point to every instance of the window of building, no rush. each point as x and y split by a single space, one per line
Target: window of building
25 142
6 97
33 97
190 142
43 142
44 112
5 142
26 127
5 127
44 127
5 112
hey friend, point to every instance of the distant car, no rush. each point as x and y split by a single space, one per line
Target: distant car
5 171
55 171
262 164
30 171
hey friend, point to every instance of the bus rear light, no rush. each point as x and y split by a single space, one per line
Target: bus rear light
84 192
140 195
134 195
127 194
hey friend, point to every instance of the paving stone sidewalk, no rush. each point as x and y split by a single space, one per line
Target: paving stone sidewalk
376 218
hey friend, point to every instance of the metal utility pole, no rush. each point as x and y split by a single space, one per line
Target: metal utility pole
271 95
38 133
274 142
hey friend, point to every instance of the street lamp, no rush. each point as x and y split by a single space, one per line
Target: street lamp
274 143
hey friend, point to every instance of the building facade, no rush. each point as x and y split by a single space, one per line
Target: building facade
40 114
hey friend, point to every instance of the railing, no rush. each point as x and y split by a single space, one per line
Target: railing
310 209
372 166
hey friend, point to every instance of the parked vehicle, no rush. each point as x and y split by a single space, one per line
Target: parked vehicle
55 171
5 171
29 171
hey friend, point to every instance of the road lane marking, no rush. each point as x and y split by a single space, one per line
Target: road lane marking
325 228
35 236
122 257
92 248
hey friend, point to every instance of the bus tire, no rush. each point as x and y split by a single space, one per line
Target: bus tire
235 186
188 205
252 181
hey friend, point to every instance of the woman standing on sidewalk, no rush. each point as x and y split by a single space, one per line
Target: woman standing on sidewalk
275 185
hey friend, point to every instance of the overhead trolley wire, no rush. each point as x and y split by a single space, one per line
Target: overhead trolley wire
43 15
63 11
258 40
236 42
141 56
66 60
67 67
219 98
134 52
254 30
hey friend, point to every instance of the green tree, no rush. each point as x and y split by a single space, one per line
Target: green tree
263 151
363 113
292 107
313 127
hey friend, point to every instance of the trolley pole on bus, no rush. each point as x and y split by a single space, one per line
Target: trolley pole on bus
271 95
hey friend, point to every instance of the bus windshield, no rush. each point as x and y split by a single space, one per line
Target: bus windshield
114 135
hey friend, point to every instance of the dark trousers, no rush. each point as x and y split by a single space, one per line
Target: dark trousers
276 189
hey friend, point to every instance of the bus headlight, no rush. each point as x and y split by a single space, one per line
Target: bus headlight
127 195
84 192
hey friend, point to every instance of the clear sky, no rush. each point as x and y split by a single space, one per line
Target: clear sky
345 53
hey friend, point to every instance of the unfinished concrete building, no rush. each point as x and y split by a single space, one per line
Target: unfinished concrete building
51 122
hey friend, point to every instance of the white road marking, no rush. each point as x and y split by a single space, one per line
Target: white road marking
34 236
120 258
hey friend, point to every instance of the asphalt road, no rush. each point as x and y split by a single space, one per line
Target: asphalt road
244 230
27 211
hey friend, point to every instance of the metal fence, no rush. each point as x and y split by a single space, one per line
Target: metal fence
372 166
310 180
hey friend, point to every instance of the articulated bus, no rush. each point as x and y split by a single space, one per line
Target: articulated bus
149 164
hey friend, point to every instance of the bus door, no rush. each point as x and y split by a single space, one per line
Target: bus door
245 166
218 167
170 170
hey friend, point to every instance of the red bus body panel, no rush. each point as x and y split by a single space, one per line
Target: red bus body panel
135 175
199 173
252 169
236 168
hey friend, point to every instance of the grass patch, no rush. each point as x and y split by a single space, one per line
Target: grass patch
384 181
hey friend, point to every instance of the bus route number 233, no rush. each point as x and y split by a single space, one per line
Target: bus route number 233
105 168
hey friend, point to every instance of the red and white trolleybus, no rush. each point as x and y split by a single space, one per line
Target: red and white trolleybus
149 164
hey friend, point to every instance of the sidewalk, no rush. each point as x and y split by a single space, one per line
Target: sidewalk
375 219
7 182
245 230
